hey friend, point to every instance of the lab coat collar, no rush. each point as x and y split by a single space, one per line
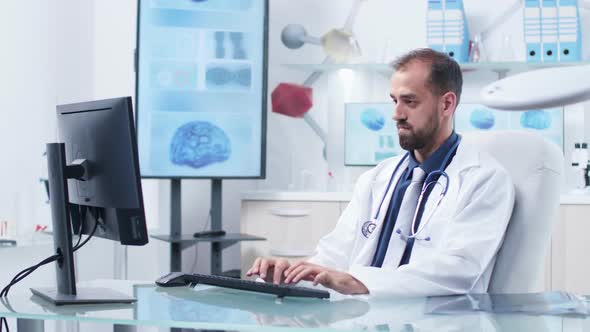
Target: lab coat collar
435 160
467 156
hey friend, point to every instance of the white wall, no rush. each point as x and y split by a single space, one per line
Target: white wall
27 93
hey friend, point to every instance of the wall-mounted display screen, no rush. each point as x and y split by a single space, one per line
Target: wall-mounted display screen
201 88
370 134
547 122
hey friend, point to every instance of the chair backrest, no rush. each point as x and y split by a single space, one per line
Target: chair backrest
536 168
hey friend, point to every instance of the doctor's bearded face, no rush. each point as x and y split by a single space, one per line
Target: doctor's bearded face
415 106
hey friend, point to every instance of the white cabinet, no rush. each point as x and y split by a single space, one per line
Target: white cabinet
570 248
292 227
293 223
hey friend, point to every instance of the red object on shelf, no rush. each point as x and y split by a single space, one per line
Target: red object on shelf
292 100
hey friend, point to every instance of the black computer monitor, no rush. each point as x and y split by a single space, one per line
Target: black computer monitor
95 188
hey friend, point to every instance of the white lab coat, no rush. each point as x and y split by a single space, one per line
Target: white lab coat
466 231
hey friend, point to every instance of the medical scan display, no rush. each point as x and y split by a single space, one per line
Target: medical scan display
370 134
547 122
201 99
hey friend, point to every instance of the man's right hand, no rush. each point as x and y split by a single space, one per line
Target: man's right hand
270 269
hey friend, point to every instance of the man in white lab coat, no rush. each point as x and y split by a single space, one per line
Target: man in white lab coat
388 241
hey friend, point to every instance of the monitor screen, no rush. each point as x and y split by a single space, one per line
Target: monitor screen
102 134
547 122
370 135
201 88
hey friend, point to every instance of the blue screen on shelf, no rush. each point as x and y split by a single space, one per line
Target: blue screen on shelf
370 134
201 91
547 122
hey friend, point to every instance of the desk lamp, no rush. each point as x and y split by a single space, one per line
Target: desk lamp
542 88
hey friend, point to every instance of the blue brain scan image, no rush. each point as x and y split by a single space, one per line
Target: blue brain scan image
197 144
537 119
372 119
482 118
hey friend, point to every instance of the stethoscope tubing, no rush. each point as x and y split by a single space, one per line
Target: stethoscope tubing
427 182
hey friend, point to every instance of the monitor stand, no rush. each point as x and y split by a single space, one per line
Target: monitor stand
66 291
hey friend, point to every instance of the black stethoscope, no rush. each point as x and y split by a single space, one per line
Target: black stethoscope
369 226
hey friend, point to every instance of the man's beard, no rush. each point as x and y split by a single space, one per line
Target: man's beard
418 139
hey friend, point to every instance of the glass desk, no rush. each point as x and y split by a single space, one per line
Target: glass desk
212 308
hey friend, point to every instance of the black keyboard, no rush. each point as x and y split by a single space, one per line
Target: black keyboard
175 279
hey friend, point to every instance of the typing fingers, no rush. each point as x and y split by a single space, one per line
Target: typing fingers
293 267
264 266
323 278
305 272
255 267
280 266
292 272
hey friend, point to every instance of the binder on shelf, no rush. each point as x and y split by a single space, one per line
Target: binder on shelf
549 31
446 28
455 32
434 25
532 30
569 32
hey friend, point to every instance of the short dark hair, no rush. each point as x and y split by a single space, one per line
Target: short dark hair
445 73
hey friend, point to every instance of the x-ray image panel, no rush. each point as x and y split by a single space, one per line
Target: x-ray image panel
221 5
201 88
188 143
370 134
228 45
168 75
547 122
175 43
228 76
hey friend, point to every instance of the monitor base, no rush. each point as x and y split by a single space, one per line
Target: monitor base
85 295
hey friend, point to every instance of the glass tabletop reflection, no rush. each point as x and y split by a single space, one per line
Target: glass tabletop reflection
214 308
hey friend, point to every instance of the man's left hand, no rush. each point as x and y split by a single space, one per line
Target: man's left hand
341 282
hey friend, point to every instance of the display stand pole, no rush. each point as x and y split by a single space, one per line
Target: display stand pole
175 225
216 225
